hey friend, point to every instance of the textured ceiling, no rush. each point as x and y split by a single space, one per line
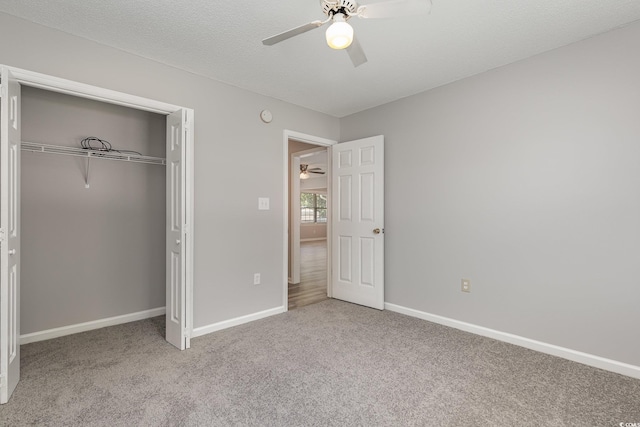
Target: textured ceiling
222 40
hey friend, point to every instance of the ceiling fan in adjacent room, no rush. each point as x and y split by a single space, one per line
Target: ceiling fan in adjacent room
340 34
305 171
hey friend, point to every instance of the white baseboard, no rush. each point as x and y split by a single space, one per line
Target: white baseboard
554 350
88 326
204 330
313 239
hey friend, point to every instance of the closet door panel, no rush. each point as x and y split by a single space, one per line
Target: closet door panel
9 235
175 300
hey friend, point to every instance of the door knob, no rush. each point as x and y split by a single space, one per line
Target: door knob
376 231
12 251
177 242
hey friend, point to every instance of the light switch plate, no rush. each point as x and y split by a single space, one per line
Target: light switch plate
263 203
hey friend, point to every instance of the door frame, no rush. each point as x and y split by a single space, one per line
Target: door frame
81 90
313 140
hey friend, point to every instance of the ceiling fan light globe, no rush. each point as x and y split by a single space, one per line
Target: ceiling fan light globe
339 35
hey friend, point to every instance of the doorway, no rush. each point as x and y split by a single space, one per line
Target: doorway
307 224
355 218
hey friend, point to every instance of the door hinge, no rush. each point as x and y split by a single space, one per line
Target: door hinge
1 234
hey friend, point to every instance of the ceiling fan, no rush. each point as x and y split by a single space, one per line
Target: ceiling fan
305 171
340 35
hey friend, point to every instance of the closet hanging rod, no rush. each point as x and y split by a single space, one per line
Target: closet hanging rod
36 147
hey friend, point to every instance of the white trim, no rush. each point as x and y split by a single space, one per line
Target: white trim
89 326
313 239
204 330
542 347
309 139
190 221
69 87
294 220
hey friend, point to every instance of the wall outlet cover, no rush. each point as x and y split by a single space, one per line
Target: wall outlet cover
466 285
263 203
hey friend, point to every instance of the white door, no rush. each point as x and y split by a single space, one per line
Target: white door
9 235
176 332
357 236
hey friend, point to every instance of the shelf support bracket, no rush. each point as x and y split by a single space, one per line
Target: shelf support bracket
86 177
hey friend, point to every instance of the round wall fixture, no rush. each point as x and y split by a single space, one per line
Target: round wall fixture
266 116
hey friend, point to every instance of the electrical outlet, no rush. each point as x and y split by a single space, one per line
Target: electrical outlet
466 285
256 279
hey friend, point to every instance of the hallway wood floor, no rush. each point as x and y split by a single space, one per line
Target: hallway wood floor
313 275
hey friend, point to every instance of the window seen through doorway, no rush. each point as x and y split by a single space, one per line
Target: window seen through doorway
313 207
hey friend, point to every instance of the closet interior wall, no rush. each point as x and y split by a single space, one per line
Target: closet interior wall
98 252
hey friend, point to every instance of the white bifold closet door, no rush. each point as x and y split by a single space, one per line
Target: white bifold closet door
9 234
176 331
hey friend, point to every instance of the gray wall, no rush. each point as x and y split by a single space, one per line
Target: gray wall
525 180
93 253
232 238
313 231
314 183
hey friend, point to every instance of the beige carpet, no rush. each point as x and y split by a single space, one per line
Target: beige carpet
328 364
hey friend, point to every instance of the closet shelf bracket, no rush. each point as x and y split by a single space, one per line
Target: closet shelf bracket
86 178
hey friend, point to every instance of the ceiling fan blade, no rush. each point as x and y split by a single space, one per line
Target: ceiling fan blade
318 172
356 53
291 33
393 8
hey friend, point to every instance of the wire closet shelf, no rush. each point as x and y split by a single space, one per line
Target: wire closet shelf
36 147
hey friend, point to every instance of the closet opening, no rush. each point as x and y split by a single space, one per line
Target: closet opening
93 228
113 192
